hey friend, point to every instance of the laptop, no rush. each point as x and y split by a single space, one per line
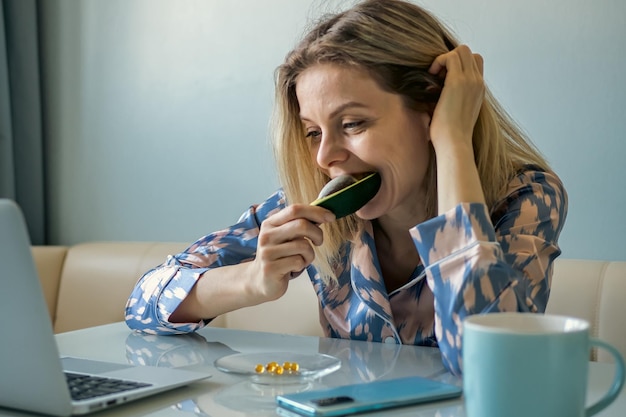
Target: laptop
32 375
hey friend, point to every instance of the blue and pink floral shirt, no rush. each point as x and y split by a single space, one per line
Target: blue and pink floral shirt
474 259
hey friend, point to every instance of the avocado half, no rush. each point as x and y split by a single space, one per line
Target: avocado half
352 197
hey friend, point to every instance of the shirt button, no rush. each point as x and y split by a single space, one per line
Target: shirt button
390 339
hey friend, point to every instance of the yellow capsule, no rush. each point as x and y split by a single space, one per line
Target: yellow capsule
276 369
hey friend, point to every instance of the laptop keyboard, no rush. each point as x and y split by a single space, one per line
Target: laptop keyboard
83 387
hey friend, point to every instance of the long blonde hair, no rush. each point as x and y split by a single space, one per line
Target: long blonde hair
396 42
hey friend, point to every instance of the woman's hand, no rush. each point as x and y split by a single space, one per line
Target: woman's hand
452 127
457 110
285 247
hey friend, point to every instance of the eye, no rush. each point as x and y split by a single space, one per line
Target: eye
353 125
313 134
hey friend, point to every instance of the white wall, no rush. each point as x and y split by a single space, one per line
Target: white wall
158 110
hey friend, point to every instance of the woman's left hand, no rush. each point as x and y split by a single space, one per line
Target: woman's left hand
458 107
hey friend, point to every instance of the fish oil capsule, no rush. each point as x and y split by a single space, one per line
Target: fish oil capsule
276 369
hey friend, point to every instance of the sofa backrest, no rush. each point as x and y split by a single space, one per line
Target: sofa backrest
97 278
49 262
596 292
88 285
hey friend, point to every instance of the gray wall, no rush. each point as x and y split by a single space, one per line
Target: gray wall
158 110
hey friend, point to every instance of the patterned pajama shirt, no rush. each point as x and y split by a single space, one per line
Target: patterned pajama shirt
474 259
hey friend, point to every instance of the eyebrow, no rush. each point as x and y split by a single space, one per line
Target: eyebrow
343 107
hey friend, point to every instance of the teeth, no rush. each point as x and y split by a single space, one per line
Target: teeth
336 184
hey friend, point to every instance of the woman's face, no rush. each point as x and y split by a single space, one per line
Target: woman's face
353 126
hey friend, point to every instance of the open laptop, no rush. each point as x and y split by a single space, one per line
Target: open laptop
32 375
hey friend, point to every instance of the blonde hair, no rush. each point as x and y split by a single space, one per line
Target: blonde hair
396 42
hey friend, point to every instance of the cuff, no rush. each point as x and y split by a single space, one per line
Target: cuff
453 231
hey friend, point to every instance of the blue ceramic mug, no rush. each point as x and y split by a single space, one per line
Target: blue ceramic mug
530 365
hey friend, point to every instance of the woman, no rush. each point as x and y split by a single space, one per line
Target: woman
465 202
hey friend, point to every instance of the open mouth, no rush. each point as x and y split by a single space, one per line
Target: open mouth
344 194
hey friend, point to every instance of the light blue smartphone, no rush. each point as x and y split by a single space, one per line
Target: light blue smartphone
367 396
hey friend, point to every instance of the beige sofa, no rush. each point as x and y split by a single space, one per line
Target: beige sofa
88 284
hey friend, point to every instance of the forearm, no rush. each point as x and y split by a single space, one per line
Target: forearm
216 292
192 279
457 176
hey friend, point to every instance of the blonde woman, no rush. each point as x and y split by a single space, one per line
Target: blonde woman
466 220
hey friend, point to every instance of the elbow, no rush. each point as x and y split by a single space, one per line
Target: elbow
136 318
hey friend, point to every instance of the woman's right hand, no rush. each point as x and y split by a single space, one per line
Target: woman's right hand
285 248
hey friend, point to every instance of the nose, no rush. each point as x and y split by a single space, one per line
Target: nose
331 151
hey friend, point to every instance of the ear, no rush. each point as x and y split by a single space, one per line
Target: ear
423 119
431 111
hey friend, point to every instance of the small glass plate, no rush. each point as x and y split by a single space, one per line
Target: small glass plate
311 366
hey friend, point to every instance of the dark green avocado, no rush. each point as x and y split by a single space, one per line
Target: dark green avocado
352 197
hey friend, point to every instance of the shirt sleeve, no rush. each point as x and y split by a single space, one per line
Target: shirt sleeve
160 291
481 262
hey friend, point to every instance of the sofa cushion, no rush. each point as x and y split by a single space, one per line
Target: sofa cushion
98 278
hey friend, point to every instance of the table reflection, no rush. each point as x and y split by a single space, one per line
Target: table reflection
173 351
360 362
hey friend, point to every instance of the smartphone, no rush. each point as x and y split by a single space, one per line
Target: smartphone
367 396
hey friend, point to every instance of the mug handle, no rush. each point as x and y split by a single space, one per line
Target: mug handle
618 381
